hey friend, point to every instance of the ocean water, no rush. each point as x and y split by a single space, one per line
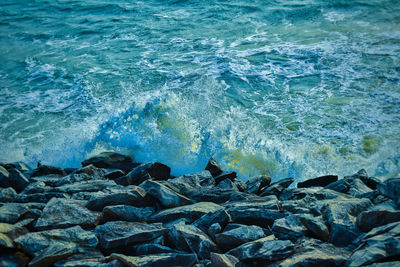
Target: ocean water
283 88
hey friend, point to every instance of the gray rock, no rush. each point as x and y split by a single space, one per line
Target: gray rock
13 212
7 194
145 171
166 196
8 233
49 180
51 254
213 230
126 213
227 184
147 249
225 175
40 197
265 250
86 186
111 160
134 197
43 170
319 181
213 167
379 244
391 189
165 260
36 187
277 187
378 215
205 177
315 227
230 239
289 227
242 186
351 185
74 178
223 260
220 216
191 239
92 171
63 213
119 233
185 183
311 194
189 212
255 184
13 178
21 166
214 194
114 174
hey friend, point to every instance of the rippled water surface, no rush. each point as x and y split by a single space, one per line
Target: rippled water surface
284 88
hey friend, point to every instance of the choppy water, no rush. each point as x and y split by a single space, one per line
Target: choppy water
285 88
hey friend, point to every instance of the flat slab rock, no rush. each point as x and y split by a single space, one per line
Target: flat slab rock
165 260
235 237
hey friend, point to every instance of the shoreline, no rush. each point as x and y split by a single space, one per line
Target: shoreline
116 212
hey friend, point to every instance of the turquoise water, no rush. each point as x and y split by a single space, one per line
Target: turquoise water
284 88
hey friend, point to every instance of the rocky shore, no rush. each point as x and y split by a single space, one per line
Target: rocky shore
116 212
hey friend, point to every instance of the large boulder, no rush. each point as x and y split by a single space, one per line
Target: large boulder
13 178
164 259
126 213
315 226
111 160
7 194
13 212
213 167
351 185
255 184
277 187
319 181
220 216
391 189
145 171
223 260
378 215
43 170
86 186
63 213
289 228
237 236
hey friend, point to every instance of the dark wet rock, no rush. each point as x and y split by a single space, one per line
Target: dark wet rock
391 189
134 197
311 194
220 216
166 196
225 175
4 176
40 197
92 171
111 160
165 260
11 258
296 207
36 187
21 166
88 261
7 194
340 216
213 194
223 260
213 230
13 212
289 228
319 181
119 233
86 186
145 171
371 182
147 249
191 239
265 250
213 167
242 186
75 178
188 212
49 180
351 185
315 226
185 183
255 184
227 184
63 213
126 213
114 174
276 188
378 215
41 245
230 239
13 178
8 233
205 177
380 244
43 170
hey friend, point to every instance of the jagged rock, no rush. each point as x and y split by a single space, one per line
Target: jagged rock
49 180
312 193
7 194
86 186
289 227
213 194
166 196
315 227
213 167
13 178
340 217
379 244
223 260
43 170
114 174
126 213
391 189
241 186
111 160
265 250
145 171
185 183
165 260
378 215
148 249
36 187
351 185
119 233
11 258
230 239
92 171
63 242
214 229
21 166
134 197
255 184
225 175
220 216
40 197
205 177
319 181
98 261
191 239
13 212
227 184
188 212
63 213
8 233
277 187
75 178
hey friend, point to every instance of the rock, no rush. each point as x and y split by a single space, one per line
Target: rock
21 166
319 181
230 239
351 185
213 167
191 239
340 217
185 183
36 187
114 174
4 176
13 212
111 160
265 250
49 180
213 230
220 216
43 170
8 233
64 213
380 244
147 249
227 184
213 194
134 197
205 177
311 194
7 194
92 171
378 215
13 258
255 184
165 260
86 186
276 188
391 189
223 260
41 245
40 197
289 227
225 175
13 178
119 233
189 212
126 213
315 227
145 171
241 186
166 196
51 254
